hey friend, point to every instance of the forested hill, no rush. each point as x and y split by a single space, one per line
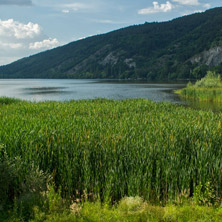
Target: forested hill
183 48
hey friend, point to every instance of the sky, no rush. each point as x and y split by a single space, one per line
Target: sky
31 26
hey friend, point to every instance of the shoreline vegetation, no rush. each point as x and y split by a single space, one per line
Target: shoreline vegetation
106 160
207 89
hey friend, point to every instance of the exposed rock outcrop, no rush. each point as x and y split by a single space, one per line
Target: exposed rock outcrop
130 63
211 57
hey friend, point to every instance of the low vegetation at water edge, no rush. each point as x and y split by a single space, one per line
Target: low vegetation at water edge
208 88
104 150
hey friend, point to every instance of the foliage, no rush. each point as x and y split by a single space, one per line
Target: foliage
159 51
20 184
7 100
211 80
205 195
208 88
129 209
191 212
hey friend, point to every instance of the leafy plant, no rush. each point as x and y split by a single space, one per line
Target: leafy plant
205 194
211 80
20 185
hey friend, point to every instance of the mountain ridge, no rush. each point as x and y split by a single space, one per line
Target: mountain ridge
154 51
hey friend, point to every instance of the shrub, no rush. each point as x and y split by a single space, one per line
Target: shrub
20 184
205 194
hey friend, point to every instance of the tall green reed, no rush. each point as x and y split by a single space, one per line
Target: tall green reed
111 149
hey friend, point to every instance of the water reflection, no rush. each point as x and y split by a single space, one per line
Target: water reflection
203 105
45 90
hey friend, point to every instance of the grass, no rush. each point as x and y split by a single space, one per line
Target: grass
103 151
207 89
129 209
7 100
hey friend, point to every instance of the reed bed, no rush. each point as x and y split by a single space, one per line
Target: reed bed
111 149
202 94
207 89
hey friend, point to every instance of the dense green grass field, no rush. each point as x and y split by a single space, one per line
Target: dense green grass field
106 150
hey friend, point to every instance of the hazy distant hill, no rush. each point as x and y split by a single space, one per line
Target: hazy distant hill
182 48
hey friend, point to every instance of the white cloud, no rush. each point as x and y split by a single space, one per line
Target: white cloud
19 40
187 2
192 3
168 6
11 45
192 12
207 5
198 11
11 28
76 6
45 44
66 11
200 7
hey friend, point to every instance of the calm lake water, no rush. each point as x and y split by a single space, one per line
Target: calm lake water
63 90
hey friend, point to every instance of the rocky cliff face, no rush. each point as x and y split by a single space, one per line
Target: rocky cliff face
211 57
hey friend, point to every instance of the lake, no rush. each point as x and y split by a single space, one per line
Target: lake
64 90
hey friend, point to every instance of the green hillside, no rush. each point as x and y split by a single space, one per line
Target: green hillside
183 48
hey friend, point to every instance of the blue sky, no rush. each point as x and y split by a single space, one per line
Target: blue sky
31 26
